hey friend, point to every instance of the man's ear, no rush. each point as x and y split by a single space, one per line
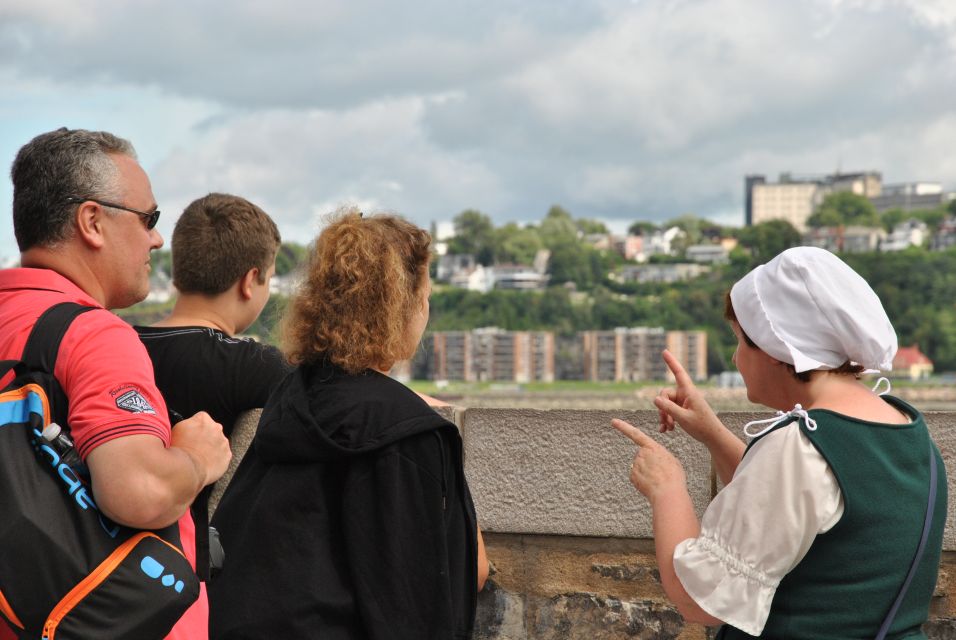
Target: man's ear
89 224
245 283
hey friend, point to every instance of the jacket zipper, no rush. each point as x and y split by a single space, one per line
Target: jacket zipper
444 486
93 580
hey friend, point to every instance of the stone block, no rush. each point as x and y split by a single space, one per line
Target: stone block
942 426
504 615
565 472
239 440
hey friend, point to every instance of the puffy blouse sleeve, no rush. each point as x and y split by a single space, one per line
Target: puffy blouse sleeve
758 528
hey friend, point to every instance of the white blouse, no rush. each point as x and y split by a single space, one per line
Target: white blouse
758 528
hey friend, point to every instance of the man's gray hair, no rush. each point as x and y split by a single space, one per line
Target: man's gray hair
57 166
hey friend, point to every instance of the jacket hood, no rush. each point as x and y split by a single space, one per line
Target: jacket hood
320 413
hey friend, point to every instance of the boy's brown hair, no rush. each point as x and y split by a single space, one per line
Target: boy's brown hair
217 239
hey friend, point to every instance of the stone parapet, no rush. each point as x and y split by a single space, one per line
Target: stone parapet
570 539
565 472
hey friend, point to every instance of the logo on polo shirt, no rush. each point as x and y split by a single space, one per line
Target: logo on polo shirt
134 402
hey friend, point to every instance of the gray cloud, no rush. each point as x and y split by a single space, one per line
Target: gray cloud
623 110
288 53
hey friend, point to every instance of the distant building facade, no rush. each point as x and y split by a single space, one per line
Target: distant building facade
708 253
795 198
910 362
850 239
634 353
461 270
910 196
450 264
910 233
945 236
492 354
664 272
690 348
630 246
659 242
518 277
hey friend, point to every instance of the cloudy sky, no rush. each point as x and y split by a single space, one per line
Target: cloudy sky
616 109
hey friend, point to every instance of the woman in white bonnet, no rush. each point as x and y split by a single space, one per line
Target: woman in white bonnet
831 521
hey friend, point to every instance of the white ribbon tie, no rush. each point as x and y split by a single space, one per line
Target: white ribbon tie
797 412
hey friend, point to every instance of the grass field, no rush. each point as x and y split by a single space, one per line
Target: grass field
560 386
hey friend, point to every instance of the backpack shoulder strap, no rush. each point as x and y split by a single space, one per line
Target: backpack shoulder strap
927 524
42 346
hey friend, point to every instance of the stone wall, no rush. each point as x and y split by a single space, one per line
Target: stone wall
570 540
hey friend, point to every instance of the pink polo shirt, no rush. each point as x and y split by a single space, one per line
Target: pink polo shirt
107 376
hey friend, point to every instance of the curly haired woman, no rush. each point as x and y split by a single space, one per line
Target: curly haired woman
350 516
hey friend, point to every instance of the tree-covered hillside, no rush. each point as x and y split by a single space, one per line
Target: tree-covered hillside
917 287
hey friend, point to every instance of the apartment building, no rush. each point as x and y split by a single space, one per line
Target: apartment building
451 356
851 239
911 196
629 354
690 348
664 272
492 354
795 198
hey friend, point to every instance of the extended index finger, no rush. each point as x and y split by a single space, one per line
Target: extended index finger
637 436
680 374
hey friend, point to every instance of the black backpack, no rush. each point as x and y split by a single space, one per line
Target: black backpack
66 570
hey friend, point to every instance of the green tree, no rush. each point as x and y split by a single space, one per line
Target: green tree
767 239
696 231
690 225
932 217
587 226
289 256
844 208
571 262
474 234
558 228
892 217
162 260
517 244
266 326
642 228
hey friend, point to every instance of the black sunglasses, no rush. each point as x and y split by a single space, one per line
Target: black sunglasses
149 217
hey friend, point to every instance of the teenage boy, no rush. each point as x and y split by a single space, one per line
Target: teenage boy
224 250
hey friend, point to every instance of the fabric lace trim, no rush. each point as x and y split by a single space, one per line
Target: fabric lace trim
736 564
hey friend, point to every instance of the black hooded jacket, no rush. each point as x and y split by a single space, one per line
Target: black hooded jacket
349 518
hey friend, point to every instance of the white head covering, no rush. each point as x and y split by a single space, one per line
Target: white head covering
808 308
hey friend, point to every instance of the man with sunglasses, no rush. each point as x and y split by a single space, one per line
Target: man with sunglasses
84 217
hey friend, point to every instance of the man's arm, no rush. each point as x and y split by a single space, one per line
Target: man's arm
140 483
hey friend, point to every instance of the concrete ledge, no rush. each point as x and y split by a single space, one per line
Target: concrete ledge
565 472
562 472
570 538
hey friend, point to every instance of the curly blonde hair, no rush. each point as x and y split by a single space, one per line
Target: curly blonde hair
363 283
